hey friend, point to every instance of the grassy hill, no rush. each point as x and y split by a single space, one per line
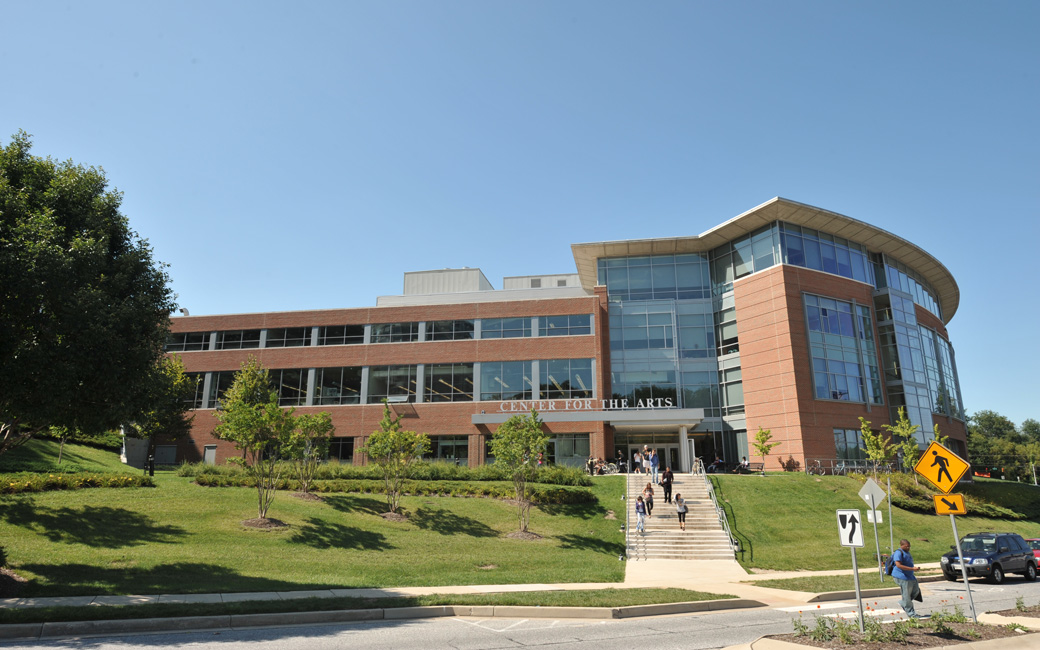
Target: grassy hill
788 521
41 454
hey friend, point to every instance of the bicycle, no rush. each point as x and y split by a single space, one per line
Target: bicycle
816 469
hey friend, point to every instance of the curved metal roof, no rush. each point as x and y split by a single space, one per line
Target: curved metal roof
780 209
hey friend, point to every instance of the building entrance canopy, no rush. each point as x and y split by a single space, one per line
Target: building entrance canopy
623 420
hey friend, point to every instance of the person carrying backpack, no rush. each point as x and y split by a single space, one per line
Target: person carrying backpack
903 570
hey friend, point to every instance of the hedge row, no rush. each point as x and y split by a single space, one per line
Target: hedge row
425 471
540 493
28 482
916 496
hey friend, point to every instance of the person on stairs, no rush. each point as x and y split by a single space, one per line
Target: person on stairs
640 515
681 509
648 499
666 482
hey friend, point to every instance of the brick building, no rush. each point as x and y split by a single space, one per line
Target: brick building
787 317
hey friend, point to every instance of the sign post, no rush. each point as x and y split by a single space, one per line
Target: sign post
872 494
948 470
850 533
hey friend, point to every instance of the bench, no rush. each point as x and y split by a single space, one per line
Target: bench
751 467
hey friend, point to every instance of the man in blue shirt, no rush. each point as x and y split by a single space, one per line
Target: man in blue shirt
655 463
903 571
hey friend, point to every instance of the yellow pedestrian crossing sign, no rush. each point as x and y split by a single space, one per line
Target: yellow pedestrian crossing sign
941 467
950 504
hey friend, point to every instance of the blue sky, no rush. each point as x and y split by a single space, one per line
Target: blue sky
284 156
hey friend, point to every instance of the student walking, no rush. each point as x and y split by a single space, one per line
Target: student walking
640 515
655 462
648 498
680 509
903 572
666 482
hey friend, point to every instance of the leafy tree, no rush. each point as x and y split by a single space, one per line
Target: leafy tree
395 452
172 392
85 308
878 447
308 445
993 425
251 418
762 446
905 436
516 445
1031 430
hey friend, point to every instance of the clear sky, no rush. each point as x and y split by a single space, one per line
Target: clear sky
284 156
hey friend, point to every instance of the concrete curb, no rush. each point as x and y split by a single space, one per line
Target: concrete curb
1030 622
1024 642
41 631
866 593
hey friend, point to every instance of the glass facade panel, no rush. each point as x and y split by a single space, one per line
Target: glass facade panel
291 385
288 337
337 386
449 449
187 342
395 332
449 330
655 278
566 379
572 325
570 449
506 380
842 350
448 382
238 340
394 383
341 335
505 328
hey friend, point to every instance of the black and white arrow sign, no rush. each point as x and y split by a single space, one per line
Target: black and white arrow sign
850 528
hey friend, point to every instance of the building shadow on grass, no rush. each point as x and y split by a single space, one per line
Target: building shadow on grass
587 543
446 522
97 526
318 533
175 577
356 504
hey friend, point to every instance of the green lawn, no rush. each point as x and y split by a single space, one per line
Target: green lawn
788 522
39 452
821 584
182 538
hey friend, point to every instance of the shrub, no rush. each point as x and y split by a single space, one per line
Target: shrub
25 482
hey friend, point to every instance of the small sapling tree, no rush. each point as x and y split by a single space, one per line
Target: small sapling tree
516 445
394 452
876 444
905 435
251 419
763 446
308 445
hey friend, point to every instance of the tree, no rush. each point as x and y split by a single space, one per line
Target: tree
394 451
308 445
905 435
762 446
993 425
876 444
515 446
251 418
1031 430
171 395
85 307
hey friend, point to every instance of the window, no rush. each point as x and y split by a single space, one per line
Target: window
536 283
570 449
659 277
452 449
341 335
449 330
573 325
395 333
848 444
506 380
505 328
187 342
820 251
449 382
337 386
393 383
199 381
844 357
288 337
219 383
238 339
561 283
342 449
291 386
567 379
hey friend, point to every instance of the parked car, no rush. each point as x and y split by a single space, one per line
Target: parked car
1035 545
991 555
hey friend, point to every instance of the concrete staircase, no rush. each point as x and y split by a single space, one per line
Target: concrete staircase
704 537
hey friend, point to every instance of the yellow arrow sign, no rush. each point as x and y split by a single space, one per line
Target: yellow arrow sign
941 467
950 504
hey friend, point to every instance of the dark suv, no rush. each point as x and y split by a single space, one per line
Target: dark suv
991 555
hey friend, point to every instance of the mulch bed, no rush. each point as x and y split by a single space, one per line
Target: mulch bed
1026 612
394 516
307 496
924 637
265 523
524 535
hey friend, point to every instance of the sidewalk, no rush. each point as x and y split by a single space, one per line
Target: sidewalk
713 576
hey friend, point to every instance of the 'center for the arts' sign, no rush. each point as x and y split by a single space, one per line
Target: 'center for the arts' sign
585 404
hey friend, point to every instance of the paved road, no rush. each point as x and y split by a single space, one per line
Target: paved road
694 631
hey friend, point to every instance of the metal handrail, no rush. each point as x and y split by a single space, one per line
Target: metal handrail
840 466
698 468
628 529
